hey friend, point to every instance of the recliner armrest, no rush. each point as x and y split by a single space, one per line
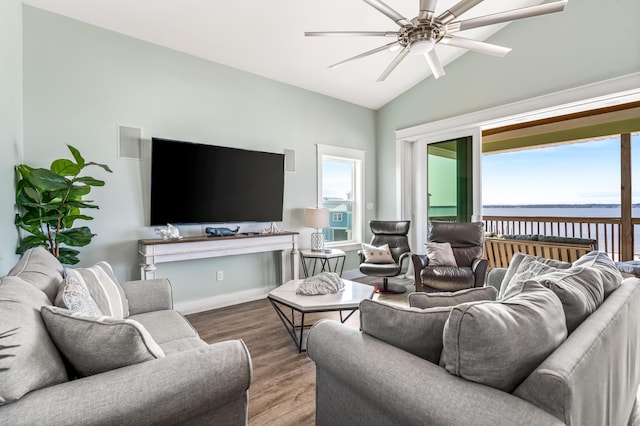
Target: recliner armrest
479 268
361 255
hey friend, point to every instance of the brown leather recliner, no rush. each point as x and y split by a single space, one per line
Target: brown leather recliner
467 240
394 233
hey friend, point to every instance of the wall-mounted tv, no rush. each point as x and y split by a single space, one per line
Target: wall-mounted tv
200 183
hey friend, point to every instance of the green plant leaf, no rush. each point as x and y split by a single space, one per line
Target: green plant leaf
65 167
46 180
90 181
81 204
68 220
104 166
77 156
78 191
68 256
75 237
31 241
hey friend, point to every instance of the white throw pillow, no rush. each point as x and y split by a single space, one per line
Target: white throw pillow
76 297
94 345
373 254
440 254
103 287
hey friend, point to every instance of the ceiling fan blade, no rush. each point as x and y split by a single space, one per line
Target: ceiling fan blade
362 55
352 33
475 45
457 10
511 15
427 7
389 12
404 52
434 63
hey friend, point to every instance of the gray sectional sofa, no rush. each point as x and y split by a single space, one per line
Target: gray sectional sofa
150 367
545 343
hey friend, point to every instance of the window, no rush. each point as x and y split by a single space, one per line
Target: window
341 190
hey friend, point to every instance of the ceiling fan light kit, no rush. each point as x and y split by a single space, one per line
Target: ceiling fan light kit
421 34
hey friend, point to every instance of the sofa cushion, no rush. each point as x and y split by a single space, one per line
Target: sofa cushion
418 331
36 363
500 343
611 276
519 258
440 254
94 345
373 254
580 290
104 288
434 300
40 268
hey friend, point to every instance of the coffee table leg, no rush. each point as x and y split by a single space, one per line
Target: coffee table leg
301 333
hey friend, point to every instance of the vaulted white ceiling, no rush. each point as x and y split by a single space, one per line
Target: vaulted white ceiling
267 38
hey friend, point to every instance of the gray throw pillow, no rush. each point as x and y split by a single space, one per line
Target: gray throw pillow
104 289
76 297
580 290
94 345
418 331
611 276
35 362
436 300
519 258
500 343
40 268
440 254
529 269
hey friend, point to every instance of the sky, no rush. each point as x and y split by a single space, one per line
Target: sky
578 173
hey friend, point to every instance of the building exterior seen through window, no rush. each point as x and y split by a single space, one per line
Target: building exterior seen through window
340 177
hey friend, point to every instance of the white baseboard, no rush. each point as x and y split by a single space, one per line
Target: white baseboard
221 301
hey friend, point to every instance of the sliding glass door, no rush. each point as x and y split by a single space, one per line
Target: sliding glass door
450 180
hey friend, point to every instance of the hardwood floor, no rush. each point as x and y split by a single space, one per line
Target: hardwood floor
282 390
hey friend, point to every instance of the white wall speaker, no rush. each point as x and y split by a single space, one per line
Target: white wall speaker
289 160
129 142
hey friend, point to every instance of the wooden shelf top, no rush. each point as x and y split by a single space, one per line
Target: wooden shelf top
156 241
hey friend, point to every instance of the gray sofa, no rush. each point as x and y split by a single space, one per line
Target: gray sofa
187 381
590 378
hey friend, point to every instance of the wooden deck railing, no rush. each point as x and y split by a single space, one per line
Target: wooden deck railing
605 230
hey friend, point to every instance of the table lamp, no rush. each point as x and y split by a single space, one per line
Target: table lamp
317 218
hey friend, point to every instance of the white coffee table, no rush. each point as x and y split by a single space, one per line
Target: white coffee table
347 299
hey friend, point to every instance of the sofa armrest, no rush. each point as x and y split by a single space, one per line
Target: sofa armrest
495 276
148 295
358 375
171 390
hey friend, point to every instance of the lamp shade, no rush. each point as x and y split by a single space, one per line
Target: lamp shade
316 217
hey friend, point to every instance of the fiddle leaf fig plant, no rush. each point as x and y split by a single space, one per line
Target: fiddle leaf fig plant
49 202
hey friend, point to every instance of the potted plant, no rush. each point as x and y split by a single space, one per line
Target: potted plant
49 202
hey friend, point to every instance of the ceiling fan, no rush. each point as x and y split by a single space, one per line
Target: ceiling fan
420 34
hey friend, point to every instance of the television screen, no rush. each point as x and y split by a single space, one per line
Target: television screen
199 183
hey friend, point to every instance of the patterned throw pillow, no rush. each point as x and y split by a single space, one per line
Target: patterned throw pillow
94 345
373 254
76 297
103 287
440 254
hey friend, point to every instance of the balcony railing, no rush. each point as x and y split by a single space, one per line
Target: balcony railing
605 230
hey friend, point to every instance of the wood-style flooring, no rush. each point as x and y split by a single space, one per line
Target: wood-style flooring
282 390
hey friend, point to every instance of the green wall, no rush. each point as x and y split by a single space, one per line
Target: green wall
10 123
550 53
81 82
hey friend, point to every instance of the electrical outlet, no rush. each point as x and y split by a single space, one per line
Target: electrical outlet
219 275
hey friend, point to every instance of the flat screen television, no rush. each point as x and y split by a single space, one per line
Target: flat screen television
199 183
